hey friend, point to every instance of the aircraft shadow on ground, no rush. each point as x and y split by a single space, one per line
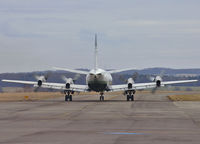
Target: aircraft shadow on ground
97 101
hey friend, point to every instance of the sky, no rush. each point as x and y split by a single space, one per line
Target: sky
40 34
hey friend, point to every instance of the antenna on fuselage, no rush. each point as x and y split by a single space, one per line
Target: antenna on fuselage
96 53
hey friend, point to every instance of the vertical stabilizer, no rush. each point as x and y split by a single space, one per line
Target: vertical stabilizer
96 53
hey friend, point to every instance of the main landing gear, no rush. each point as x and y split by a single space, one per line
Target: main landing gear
130 95
101 97
68 95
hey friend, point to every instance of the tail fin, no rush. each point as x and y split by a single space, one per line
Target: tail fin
96 53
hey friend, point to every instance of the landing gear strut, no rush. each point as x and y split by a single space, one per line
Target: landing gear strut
68 96
101 97
130 95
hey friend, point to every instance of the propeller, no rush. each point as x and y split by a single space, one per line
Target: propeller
76 77
158 80
71 80
41 79
67 80
133 77
153 79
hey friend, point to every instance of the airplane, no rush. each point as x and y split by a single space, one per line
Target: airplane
98 80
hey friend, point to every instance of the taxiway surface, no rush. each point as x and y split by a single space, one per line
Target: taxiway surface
150 119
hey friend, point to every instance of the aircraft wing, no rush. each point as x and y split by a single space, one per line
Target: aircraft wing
72 71
20 82
58 86
141 86
177 82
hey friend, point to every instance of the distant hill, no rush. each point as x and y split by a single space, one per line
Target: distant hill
167 71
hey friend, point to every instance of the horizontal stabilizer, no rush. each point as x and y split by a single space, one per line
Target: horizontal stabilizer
120 70
72 71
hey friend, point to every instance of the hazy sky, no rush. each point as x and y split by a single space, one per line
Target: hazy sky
40 34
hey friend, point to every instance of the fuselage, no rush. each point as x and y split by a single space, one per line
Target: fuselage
99 80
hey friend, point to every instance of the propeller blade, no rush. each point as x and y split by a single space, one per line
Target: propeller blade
134 77
64 78
76 77
43 77
46 76
37 77
151 78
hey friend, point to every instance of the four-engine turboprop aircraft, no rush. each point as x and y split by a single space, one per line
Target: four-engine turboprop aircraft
98 80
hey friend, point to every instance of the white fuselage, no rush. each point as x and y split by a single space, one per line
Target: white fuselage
99 80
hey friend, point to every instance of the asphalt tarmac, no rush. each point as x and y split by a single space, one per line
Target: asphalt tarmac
151 119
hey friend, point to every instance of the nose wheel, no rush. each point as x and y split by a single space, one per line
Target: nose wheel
101 97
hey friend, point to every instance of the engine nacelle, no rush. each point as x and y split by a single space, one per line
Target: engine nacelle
158 81
67 85
40 80
130 83
39 83
68 81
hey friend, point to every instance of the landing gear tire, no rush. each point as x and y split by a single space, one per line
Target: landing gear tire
68 98
130 97
101 98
